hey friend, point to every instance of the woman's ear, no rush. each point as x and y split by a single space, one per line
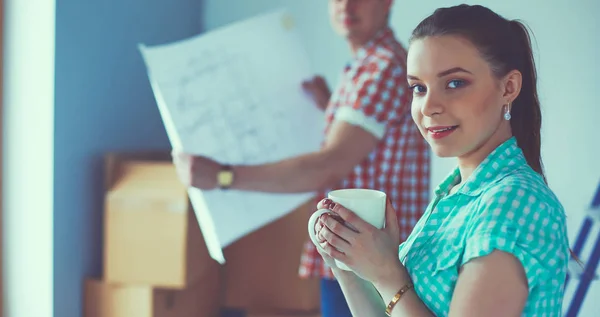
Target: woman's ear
511 85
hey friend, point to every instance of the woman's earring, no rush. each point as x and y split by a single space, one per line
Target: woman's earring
507 112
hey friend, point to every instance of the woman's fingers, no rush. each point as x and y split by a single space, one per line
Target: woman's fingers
334 253
338 227
350 219
318 226
333 239
344 215
323 203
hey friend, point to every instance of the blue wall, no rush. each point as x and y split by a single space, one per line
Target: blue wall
103 103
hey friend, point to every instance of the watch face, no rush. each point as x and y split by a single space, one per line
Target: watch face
225 178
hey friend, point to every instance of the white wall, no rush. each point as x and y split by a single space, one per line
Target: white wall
567 36
28 157
327 52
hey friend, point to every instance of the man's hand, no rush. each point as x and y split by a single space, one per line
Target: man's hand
318 90
196 171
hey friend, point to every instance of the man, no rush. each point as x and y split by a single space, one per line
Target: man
371 140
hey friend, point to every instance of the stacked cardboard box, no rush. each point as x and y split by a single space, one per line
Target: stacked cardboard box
155 260
156 263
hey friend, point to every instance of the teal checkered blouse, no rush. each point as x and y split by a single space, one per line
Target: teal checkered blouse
504 205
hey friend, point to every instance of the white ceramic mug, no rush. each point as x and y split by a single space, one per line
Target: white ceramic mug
367 204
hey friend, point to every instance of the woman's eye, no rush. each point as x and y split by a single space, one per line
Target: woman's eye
418 89
456 83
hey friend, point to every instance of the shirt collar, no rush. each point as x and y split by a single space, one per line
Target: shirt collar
384 35
505 158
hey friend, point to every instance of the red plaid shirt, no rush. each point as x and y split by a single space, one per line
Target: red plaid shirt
373 93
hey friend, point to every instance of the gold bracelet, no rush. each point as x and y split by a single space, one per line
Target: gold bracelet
402 291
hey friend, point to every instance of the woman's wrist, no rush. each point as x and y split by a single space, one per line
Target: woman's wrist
348 278
392 281
343 274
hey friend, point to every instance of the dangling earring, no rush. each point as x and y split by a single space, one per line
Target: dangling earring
507 112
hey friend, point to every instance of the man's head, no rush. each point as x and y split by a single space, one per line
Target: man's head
359 20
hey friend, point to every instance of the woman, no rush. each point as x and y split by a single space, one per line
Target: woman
493 241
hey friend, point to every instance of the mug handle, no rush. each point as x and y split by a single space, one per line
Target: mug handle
312 221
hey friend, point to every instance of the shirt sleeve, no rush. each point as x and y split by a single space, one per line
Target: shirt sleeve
514 219
381 97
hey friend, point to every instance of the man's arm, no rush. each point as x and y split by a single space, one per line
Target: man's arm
346 146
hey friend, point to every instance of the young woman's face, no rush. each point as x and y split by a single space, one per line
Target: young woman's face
458 103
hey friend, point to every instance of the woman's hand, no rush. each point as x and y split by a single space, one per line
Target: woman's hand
370 252
196 171
326 257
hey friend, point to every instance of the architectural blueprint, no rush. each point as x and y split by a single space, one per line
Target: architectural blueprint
234 94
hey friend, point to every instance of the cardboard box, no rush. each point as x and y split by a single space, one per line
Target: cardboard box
151 235
112 300
261 272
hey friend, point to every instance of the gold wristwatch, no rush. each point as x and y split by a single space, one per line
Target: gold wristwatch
225 177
